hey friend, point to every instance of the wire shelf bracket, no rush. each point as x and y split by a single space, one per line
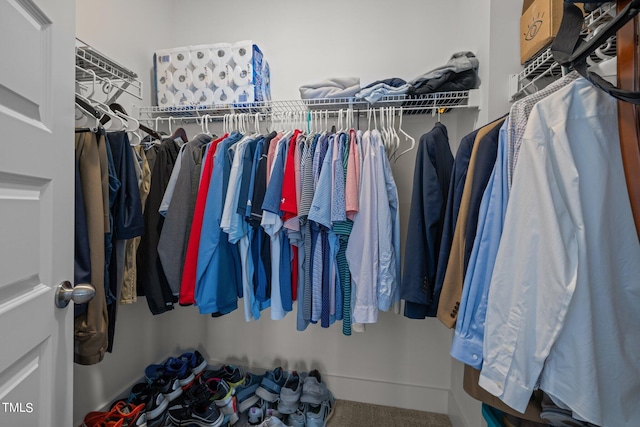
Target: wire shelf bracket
115 78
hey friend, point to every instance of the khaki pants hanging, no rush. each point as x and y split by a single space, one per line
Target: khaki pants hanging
90 328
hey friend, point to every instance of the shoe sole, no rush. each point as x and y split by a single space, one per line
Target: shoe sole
246 404
201 367
173 395
267 395
186 382
152 415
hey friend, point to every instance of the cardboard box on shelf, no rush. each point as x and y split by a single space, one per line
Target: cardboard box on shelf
539 25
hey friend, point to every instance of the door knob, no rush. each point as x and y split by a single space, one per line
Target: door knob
80 294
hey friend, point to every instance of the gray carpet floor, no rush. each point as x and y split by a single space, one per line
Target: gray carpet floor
355 414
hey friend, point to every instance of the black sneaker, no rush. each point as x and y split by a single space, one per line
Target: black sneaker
194 394
233 375
169 386
203 413
195 361
155 403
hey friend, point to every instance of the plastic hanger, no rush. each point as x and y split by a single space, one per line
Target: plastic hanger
87 113
202 120
407 138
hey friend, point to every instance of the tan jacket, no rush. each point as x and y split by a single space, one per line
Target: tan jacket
449 302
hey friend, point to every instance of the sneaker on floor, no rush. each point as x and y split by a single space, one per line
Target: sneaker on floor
317 415
169 386
130 415
290 394
172 367
255 415
270 409
233 375
314 391
246 393
297 419
196 393
155 402
195 361
222 395
203 413
271 384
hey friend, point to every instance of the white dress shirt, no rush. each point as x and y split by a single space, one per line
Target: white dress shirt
564 303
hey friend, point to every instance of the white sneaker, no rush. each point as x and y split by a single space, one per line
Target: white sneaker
297 419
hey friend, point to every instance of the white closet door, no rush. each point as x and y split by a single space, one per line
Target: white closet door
36 210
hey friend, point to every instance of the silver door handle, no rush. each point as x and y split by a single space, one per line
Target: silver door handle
80 294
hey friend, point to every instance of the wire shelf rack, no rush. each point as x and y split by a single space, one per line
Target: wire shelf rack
93 67
542 69
435 102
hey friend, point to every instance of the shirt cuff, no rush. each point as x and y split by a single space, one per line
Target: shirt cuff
467 350
512 393
365 314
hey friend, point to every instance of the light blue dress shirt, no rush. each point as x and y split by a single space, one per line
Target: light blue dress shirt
362 249
388 230
562 312
469 335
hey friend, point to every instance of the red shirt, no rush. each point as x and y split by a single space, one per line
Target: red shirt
188 284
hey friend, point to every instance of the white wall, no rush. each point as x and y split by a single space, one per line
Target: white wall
397 362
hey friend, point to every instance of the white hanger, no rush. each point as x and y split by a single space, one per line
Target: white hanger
383 130
93 85
170 125
131 123
156 127
87 115
407 138
202 119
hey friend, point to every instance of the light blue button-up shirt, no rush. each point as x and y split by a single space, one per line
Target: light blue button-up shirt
469 335
562 313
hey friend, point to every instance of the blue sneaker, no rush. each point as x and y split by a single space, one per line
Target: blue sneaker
246 393
290 394
171 367
314 390
271 384
316 416
297 419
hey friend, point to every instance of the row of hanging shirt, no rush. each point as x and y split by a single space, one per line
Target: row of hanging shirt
531 253
280 217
